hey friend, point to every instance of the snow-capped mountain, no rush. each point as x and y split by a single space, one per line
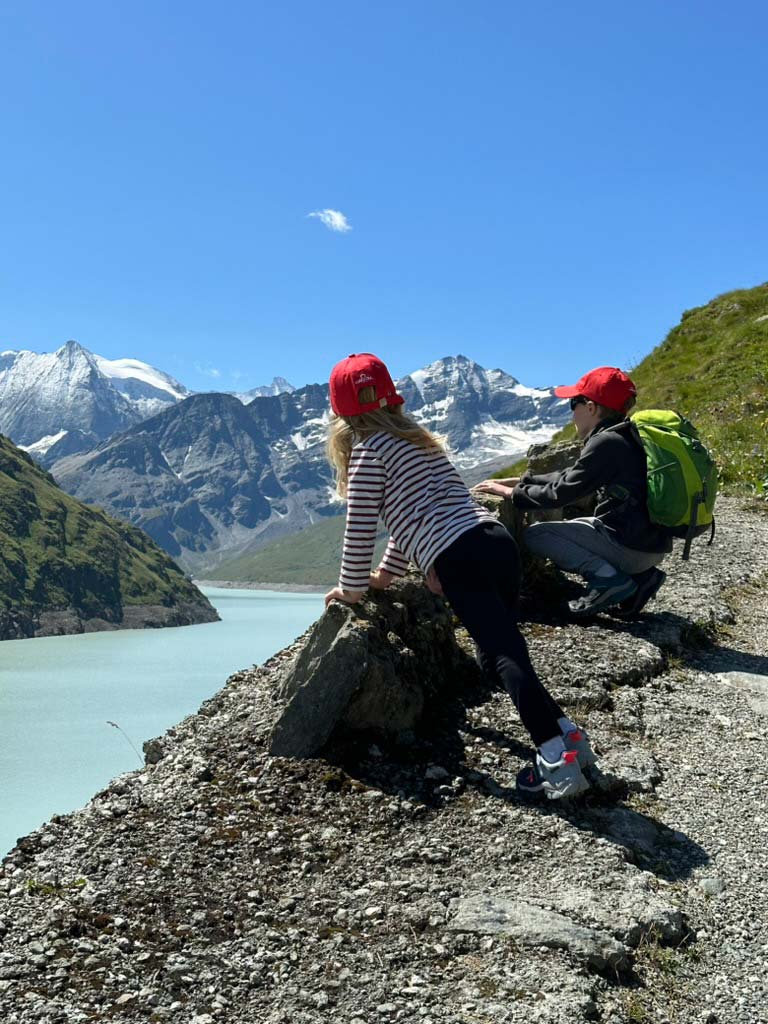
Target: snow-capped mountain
47 397
279 386
210 477
53 404
484 414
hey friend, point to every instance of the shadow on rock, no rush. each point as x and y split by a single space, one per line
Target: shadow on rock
720 658
428 765
647 843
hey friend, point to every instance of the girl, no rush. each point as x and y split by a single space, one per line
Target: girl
389 467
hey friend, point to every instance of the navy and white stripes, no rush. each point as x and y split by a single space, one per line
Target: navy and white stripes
421 499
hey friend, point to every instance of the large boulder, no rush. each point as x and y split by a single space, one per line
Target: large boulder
377 665
551 458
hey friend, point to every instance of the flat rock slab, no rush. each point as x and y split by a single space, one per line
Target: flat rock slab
580 664
628 914
754 687
627 828
530 925
630 768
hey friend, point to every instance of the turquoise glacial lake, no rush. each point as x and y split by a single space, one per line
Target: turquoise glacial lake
57 695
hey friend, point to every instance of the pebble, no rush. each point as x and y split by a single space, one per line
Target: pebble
712 886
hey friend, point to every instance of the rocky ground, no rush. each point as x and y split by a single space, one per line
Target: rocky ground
408 882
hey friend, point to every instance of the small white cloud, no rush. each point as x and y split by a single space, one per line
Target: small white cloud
208 371
334 220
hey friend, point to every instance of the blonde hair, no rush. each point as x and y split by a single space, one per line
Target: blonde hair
345 431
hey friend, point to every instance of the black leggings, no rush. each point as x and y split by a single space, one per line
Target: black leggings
480 577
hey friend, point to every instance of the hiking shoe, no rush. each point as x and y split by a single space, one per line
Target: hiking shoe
648 585
578 740
555 779
604 592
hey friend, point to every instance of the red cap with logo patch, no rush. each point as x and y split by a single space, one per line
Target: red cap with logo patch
606 385
354 373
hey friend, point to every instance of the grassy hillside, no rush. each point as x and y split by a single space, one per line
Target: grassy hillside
57 553
713 368
311 556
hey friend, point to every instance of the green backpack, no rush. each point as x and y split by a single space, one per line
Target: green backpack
682 475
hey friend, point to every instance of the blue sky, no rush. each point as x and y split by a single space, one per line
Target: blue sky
543 187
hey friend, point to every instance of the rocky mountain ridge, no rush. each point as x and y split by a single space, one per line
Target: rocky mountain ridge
210 478
210 474
484 414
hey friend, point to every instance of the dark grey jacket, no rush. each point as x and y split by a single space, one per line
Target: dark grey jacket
613 466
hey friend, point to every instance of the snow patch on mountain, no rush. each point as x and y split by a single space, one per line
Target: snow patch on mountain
40 447
493 440
117 370
419 376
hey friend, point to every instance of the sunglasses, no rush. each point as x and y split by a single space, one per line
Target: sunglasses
578 400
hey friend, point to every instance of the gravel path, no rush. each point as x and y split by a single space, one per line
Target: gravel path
707 730
411 883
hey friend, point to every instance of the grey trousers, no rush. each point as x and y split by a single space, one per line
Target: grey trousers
584 545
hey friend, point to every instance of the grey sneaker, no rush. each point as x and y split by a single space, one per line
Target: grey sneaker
578 740
649 583
555 779
604 592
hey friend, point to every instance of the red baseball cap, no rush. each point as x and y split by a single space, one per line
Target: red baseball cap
361 371
606 385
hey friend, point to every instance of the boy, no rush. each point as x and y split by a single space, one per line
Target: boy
618 550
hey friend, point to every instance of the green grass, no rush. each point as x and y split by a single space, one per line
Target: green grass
56 552
713 368
311 556
516 469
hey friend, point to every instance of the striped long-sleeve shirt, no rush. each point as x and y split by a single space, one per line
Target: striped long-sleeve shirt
421 499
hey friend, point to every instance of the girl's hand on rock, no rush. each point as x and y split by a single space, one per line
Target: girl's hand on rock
345 596
380 579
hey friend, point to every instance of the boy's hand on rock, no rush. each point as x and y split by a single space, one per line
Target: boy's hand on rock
503 488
